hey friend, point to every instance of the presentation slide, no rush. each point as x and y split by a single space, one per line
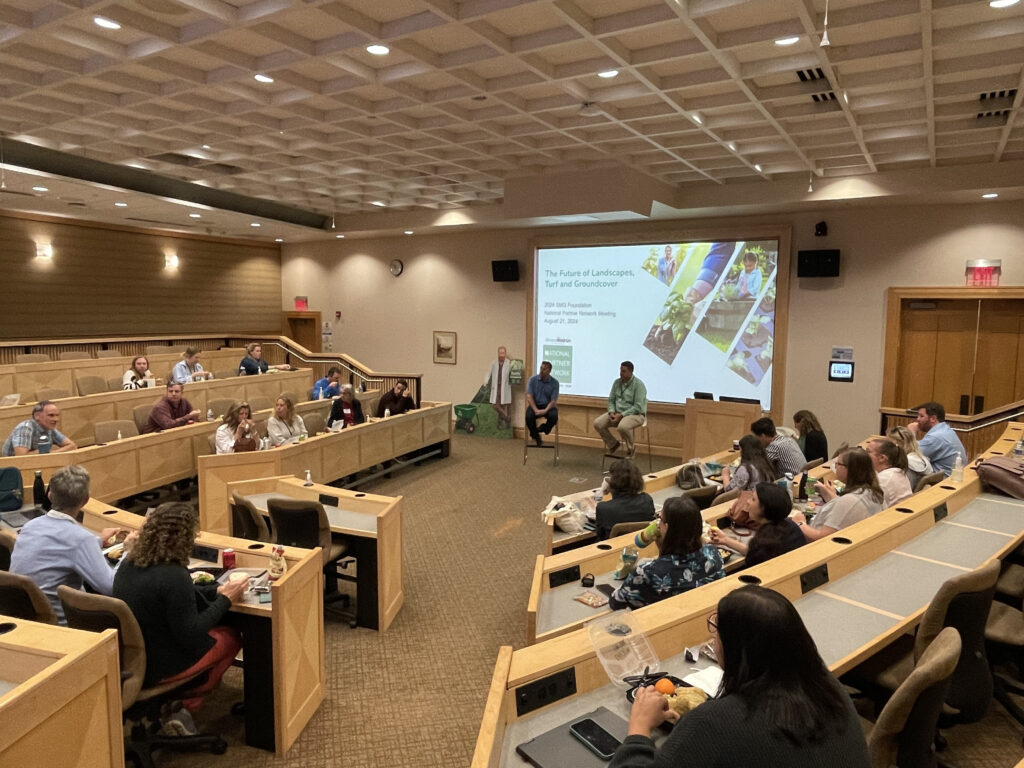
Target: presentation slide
692 317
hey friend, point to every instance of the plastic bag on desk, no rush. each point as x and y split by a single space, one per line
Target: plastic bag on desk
566 514
622 647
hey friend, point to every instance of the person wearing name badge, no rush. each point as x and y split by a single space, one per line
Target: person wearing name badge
253 362
26 435
501 388
396 400
138 376
238 432
189 368
329 386
285 426
627 407
541 399
346 411
935 438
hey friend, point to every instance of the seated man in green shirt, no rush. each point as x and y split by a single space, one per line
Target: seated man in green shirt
627 406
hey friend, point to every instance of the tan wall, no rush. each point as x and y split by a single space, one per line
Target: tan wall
111 282
447 285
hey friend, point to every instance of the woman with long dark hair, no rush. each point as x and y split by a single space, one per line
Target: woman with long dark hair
683 562
862 496
754 467
812 438
778 705
774 535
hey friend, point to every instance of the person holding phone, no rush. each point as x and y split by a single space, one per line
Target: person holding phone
778 705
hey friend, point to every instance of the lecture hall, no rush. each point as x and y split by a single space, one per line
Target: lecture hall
492 320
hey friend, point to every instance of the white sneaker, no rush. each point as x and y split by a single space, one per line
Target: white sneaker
180 724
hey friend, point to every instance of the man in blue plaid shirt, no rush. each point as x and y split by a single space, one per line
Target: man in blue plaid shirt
24 438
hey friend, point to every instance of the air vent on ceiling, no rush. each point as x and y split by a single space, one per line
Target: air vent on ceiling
1007 96
77 204
814 75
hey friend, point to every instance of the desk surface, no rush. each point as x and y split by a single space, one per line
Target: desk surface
343 519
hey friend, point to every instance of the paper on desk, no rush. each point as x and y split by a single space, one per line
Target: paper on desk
708 679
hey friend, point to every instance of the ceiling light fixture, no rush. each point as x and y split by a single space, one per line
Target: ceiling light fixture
1002 3
589 109
787 41
810 181
206 146
3 180
340 237
44 250
102 21
757 167
990 195
40 189
195 216
408 231
379 203
261 78
278 239
377 49
731 146
697 118
332 222
824 37
121 205
608 74
255 224
170 261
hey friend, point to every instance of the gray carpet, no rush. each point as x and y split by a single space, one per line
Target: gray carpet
412 697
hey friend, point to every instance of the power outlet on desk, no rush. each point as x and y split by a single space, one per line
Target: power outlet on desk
564 576
328 500
545 691
814 578
205 553
940 511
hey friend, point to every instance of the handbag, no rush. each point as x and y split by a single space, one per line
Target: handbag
1004 474
567 516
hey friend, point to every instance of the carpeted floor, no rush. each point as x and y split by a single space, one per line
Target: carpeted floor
412 697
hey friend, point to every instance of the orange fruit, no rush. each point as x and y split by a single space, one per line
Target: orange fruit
665 686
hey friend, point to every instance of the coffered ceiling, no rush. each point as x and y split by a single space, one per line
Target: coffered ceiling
474 94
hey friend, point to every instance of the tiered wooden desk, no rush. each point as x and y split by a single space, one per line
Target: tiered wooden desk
373 525
60 697
283 640
856 592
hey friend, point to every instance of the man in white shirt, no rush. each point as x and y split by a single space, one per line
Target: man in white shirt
501 389
890 464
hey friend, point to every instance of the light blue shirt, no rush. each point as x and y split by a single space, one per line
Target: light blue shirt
53 550
941 446
182 373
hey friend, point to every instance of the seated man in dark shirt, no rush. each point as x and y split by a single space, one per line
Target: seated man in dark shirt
396 400
172 410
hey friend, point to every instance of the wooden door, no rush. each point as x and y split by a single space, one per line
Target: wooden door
303 327
1000 359
955 340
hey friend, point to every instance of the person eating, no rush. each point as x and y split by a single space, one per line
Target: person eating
774 533
285 426
862 496
189 368
238 432
346 410
138 376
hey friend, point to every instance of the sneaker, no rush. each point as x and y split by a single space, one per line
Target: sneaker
180 724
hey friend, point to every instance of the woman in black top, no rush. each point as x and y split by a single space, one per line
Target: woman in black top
179 621
778 705
812 438
346 409
775 533
629 503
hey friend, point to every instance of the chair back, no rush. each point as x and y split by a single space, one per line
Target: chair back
106 431
812 464
725 496
260 403
963 602
929 480
246 520
32 357
220 406
315 423
110 353
291 396
904 733
114 384
51 393
96 613
22 599
91 385
225 374
74 355
702 496
299 523
620 528
158 349
140 414
6 549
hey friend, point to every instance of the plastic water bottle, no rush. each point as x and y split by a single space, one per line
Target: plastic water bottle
309 478
209 414
1018 449
789 484
119 434
44 443
387 412
957 475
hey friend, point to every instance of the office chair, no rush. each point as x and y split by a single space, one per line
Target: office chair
140 415
22 599
90 385
74 355
260 403
51 393
31 357
702 496
246 520
107 431
220 406
929 480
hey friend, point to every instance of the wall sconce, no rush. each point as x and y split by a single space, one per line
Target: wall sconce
44 251
170 261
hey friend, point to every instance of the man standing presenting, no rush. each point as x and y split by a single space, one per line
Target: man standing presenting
627 406
24 438
541 396
172 410
501 389
935 438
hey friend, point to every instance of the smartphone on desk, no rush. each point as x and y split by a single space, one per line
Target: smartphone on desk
595 738
605 589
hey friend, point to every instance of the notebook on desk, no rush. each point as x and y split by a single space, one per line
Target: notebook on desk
18 517
558 748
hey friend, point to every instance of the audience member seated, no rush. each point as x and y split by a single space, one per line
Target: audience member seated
629 502
329 386
346 411
754 467
180 623
862 496
778 705
775 534
253 362
172 410
812 439
917 465
783 451
25 436
285 426
189 368
396 400
54 549
139 376
890 463
683 562
936 439
238 432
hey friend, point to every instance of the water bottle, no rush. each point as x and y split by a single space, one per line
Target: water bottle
39 491
209 414
957 475
44 443
387 412
789 484
309 478
119 434
1018 449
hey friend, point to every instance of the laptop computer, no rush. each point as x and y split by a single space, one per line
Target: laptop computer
18 517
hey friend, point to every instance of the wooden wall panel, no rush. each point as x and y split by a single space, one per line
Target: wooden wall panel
104 281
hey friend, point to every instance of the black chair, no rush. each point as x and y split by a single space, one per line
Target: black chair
1004 633
20 598
702 496
6 549
141 707
246 520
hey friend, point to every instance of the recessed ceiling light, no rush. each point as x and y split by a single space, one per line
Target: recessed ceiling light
990 195
377 49
195 216
40 189
255 224
340 237
408 231
206 146
608 73
379 203
787 41
278 239
121 205
697 119
1002 3
102 21
261 78
757 167
846 97
731 146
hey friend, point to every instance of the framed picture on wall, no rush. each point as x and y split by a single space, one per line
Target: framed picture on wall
445 347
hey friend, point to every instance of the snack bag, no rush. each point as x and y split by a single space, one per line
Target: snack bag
627 562
592 599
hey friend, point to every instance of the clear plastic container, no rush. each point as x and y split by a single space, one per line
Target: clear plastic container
622 647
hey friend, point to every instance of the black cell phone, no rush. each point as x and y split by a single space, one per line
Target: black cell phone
595 738
606 589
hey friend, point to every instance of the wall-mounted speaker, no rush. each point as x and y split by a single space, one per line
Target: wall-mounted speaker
818 263
505 271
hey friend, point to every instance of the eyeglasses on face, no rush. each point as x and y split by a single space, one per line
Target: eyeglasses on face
713 623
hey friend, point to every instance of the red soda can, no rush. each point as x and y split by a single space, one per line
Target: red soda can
228 559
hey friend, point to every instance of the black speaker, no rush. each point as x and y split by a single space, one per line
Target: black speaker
505 271
821 263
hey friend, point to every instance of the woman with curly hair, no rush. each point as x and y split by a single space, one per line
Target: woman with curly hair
179 621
